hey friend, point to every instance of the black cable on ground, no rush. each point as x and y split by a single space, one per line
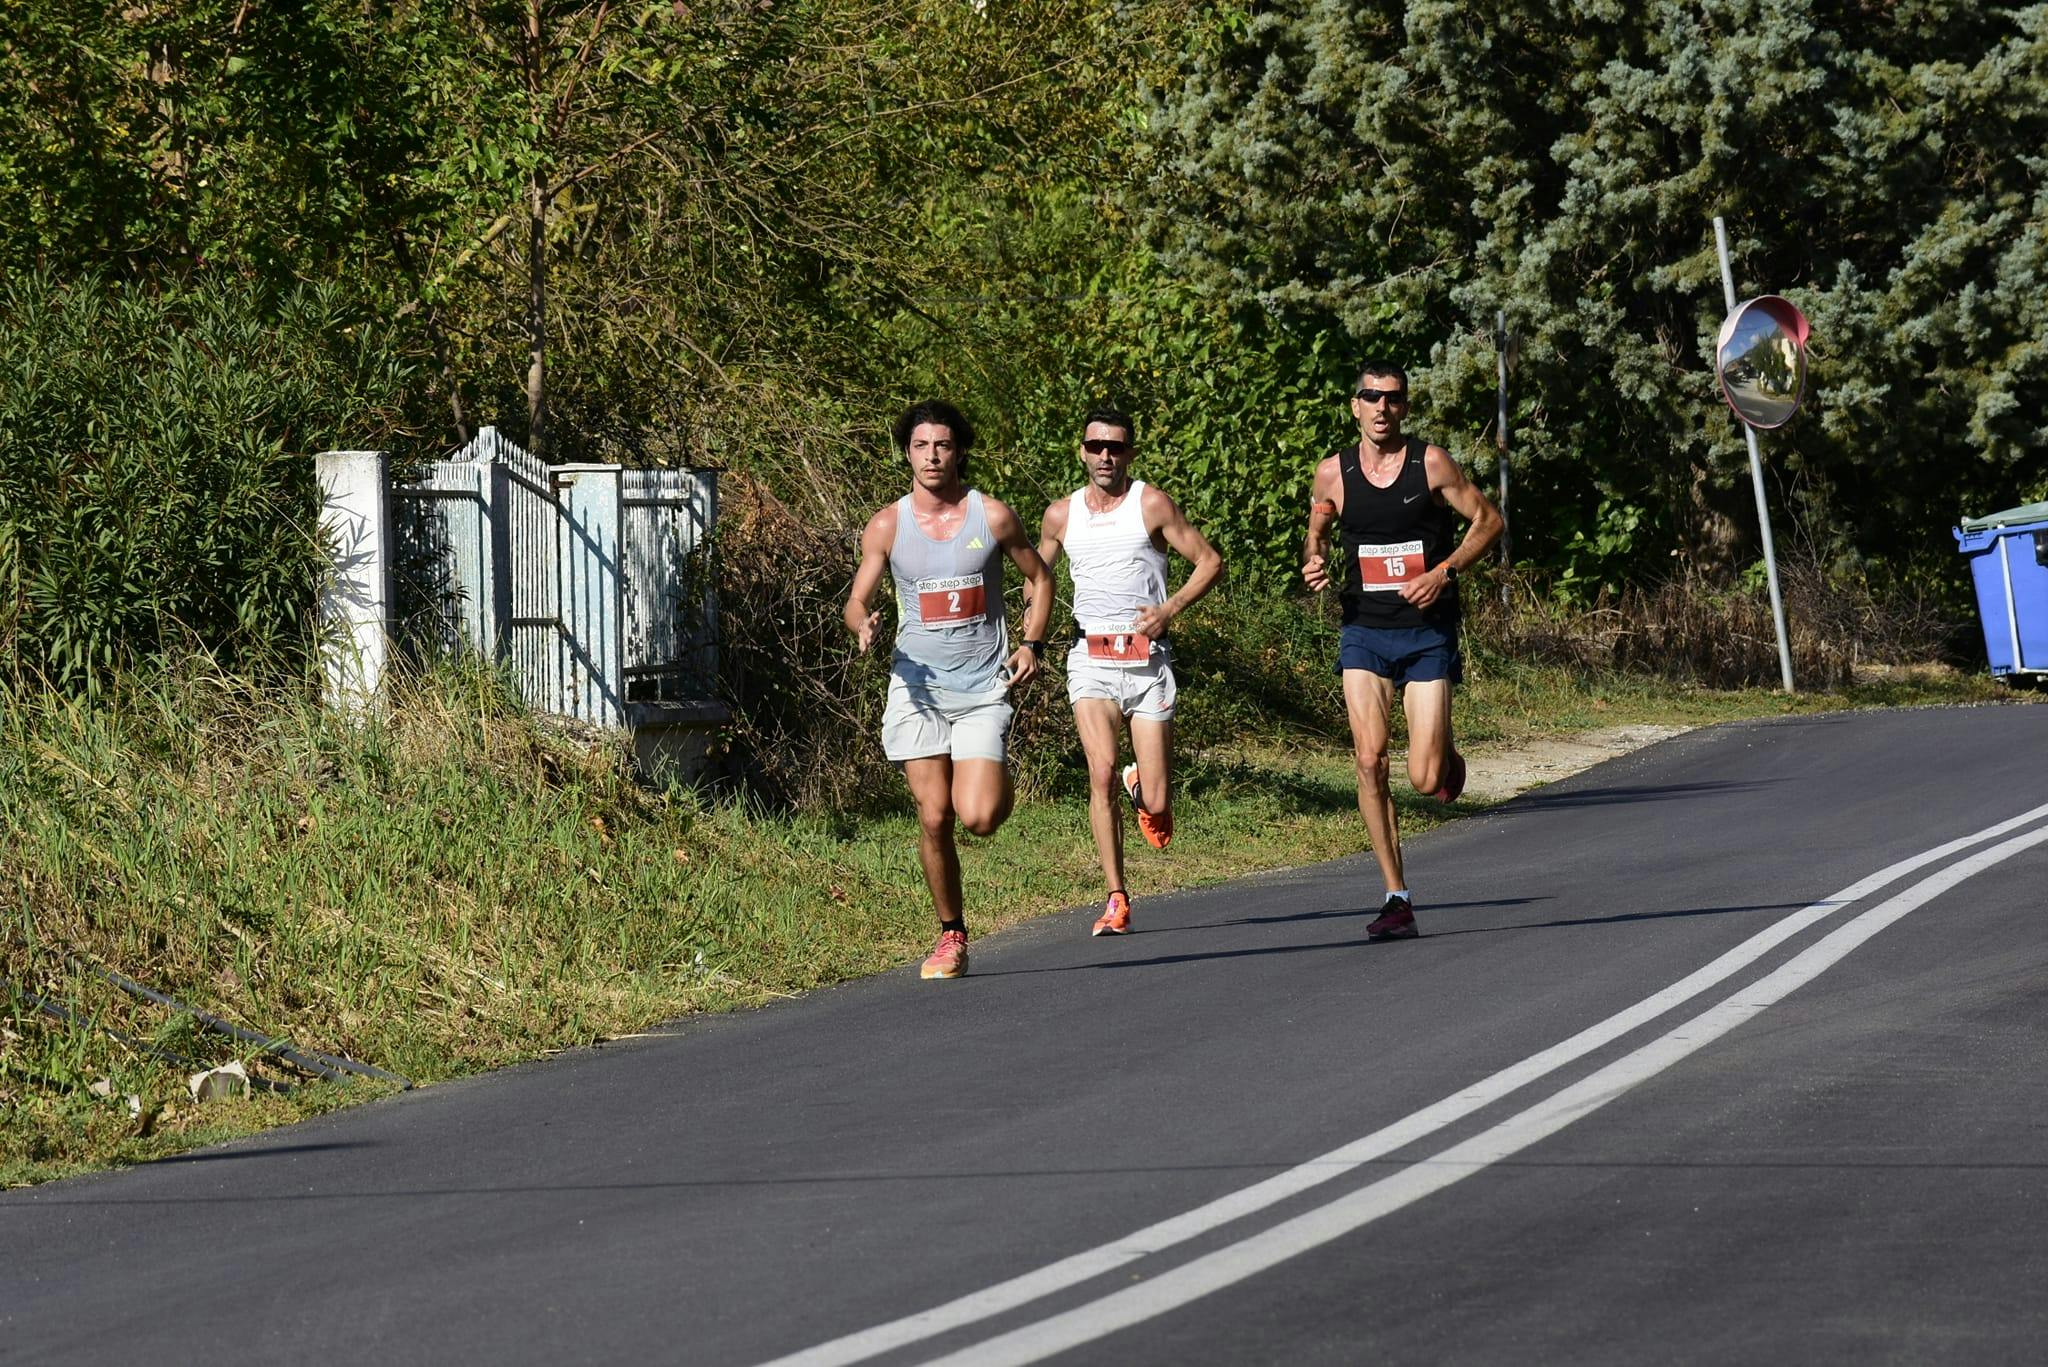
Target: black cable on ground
59 1012
308 1060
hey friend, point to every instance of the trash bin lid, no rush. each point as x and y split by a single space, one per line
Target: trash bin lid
2029 512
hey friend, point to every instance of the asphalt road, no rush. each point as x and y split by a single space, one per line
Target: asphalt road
1732 1050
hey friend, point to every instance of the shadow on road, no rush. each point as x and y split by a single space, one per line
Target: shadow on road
1649 792
270 1151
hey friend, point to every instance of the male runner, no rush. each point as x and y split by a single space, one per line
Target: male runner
1115 531
1391 497
948 713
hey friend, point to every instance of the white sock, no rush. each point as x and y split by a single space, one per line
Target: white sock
1402 893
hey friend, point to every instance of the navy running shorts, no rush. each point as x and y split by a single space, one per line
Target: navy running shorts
1404 654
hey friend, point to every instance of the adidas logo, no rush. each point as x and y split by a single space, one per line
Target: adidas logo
975 545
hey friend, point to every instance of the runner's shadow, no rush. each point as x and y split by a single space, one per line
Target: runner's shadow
1162 960
1617 919
1649 792
1331 915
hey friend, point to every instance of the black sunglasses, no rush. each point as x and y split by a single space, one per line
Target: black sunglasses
1105 446
1375 395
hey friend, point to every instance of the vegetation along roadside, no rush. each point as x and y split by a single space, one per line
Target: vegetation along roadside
460 885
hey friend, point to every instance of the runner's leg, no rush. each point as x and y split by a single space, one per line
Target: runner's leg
1428 705
931 786
1368 701
1100 723
982 794
1152 747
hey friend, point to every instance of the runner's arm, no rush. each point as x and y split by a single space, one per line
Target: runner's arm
875 541
1164 517
1325 499
1448 480
1039 585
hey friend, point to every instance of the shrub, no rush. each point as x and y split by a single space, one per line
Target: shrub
155 484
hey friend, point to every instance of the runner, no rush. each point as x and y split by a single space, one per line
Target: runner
1115 531
1391 496
948 713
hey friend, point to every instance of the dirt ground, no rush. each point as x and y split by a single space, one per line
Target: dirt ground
1501 773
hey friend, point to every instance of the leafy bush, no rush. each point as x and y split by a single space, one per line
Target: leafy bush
155 480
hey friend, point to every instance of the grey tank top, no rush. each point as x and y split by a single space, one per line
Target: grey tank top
950 631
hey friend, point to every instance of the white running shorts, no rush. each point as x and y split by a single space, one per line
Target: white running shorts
1147 693
923 722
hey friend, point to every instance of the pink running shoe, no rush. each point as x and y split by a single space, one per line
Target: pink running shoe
948 958
1115 918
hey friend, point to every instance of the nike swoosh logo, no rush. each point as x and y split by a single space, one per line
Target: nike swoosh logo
1411 500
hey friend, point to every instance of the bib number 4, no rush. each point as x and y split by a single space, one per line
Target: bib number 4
1118 645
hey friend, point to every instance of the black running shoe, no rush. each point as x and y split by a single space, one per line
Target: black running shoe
1396 921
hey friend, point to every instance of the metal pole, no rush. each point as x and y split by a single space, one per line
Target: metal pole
1756 478
1500 437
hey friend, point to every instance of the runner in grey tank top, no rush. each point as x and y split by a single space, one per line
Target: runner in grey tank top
946 721
950 631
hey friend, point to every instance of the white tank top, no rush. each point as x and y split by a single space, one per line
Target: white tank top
1116 570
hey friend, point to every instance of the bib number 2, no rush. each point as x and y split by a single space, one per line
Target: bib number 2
952 602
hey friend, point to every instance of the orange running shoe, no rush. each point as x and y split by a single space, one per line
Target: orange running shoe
1116 916
1158 829
948 958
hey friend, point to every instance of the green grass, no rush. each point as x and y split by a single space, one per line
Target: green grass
456 887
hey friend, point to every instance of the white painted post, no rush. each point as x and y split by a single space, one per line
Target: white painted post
355 596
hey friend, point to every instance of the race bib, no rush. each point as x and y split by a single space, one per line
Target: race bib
960 602
1122 646
1384 569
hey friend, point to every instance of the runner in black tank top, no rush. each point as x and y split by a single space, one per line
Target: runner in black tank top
1401 514
1389 499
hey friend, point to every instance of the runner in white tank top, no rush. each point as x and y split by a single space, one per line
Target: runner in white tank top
1116 532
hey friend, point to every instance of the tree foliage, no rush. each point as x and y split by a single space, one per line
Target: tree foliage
1402 171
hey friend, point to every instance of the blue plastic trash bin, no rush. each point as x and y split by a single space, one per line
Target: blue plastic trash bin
2008 555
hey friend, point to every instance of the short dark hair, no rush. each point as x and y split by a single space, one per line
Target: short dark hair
1109 415
1385 370
940 412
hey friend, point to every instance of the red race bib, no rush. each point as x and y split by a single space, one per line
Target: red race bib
1118 645
1384 569
951 602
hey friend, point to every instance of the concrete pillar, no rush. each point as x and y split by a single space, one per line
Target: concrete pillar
355 595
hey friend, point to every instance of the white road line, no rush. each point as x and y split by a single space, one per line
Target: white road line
1214 1271
1092 1263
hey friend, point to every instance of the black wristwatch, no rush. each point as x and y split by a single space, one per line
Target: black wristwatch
1450 572
1037 647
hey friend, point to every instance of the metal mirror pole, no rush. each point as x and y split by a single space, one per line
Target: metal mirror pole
1756 477
1500 437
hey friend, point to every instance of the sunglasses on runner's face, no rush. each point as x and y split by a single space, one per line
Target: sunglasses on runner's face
1375 395
1105 446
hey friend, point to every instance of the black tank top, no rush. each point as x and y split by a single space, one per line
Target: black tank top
1390 536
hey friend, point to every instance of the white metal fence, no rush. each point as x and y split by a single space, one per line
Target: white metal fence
590 583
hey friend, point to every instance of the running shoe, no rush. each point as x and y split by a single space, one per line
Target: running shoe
1454 779
1396 921
1158 829
1115 918
948 957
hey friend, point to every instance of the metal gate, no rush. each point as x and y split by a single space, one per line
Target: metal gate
588 582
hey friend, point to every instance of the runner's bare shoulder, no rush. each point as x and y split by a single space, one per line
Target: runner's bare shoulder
880 533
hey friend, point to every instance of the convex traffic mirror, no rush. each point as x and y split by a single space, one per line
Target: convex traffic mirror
1761 360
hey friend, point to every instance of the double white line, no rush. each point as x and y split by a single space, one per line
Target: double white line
1255 1253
